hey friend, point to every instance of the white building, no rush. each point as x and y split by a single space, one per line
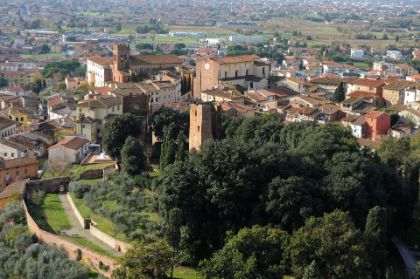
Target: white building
245 39
98 70
412 95
394 54
357 53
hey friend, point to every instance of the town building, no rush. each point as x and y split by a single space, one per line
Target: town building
16 170
245 71
377 124
71 150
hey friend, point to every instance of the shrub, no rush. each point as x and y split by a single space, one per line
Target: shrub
79 188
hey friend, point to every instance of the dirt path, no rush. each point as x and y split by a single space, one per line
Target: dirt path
77 231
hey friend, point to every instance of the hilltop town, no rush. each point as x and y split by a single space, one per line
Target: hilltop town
209 139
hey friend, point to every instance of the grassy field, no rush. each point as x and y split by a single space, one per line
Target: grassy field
86 243
50 215
74 172
42 56
183 272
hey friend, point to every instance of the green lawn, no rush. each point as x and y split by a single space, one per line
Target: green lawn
77 170
42 56
81 206
92 246
183 272
74 172
50 216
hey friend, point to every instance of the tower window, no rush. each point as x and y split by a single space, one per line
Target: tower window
198 128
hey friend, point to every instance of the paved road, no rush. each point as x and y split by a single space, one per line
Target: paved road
407 256
76 229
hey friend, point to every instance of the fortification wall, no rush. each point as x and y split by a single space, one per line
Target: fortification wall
85 223
91 258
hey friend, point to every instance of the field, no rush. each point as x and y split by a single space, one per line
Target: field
74 172
42 56
50 215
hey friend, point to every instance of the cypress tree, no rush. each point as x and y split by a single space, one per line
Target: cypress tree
339 94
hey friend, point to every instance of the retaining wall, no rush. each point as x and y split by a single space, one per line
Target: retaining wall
90 257
115 244
85 223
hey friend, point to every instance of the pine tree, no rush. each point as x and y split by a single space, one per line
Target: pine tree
339 94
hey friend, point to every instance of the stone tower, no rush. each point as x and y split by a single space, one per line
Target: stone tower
121 55
200 125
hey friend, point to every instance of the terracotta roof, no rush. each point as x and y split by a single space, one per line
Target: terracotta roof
18 162
375 114
225 105
100 102
235 59
155 59
6 122
17 187
399 85
74 143
364 94
101 60
375 83
13 144
296 80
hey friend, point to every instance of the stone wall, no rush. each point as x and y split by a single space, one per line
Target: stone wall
200 126
54 185
85 223
91 258
115 244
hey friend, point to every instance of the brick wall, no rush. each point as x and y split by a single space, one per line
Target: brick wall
89 257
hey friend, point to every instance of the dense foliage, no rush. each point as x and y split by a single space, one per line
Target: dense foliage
116 132
64 68
288 177
169 119
132 157
22 257
145 260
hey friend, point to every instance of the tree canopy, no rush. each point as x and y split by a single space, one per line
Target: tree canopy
116 131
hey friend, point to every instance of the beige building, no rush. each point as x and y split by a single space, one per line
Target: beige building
394 92
246 71
94 113
74 83
70 150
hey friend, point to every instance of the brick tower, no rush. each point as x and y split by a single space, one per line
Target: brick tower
121 55
200 125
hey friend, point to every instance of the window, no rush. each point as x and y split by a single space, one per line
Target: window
17 172
83 126
263 71
17 118
195 113
225 74
5 154
236 73
247 71
113 109
98 131
251 84
12 154
198 128
21 119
